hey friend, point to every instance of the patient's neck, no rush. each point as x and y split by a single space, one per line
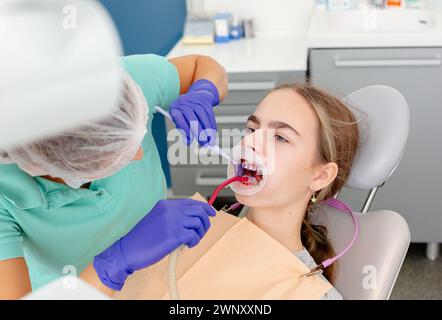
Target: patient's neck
60 180
283 224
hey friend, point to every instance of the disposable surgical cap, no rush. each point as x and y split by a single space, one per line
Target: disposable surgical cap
95 150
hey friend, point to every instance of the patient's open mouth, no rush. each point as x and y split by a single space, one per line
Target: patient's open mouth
252 171
247 164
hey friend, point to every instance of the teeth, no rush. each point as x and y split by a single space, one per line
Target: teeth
251 167
252 181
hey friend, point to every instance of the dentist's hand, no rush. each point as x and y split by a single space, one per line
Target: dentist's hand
192 112
170 224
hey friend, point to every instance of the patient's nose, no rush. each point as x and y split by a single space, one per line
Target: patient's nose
258 141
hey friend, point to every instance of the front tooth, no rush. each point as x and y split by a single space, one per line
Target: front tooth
252 181
248 166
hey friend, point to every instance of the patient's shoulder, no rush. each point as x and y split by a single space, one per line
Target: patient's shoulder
308 260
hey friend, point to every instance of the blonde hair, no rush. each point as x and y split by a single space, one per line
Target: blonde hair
338 142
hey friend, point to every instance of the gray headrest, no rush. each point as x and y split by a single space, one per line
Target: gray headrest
384 123
377 255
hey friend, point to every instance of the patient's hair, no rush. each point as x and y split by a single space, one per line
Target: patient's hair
338 142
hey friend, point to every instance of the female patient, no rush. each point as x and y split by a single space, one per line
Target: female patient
306 139
297 152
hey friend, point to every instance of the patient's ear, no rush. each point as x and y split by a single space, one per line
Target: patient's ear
326 173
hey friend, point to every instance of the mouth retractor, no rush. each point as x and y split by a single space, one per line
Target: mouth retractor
247 164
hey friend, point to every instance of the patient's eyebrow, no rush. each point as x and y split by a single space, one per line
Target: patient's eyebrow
253 119
282 125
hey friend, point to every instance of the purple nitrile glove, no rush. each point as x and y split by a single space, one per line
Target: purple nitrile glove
192 112
170 224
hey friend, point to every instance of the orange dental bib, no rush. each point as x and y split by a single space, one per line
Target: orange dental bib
235 260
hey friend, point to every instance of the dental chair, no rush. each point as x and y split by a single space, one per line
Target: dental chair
369 270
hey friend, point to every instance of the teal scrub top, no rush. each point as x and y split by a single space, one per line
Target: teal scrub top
58 229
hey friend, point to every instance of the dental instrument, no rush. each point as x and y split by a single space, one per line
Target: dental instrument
214 148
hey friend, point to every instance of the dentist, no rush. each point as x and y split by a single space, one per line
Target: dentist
92 197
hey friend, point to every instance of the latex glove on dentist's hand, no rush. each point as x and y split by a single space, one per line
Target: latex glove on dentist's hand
192 112
170 224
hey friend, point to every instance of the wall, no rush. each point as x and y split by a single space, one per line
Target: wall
269 15
149 26
435 4
276 15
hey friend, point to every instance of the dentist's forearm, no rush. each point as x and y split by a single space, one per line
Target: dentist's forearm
90 276
208 68
195 67
14 279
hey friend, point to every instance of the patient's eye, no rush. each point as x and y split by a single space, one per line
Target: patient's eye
249 130
280 138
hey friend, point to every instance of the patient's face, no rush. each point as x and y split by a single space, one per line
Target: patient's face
284 132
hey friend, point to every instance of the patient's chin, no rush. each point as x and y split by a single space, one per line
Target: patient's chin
252 200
